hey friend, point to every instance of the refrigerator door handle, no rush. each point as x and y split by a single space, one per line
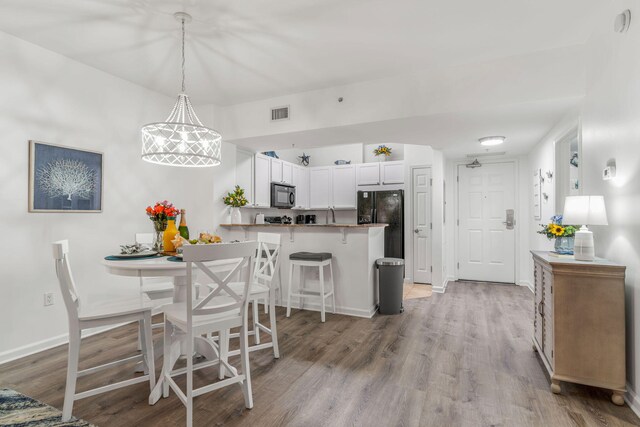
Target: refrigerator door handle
374 217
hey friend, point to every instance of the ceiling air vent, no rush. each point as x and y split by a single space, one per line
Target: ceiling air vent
280 113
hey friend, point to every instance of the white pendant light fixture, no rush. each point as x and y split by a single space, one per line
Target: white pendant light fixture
492 140
181 140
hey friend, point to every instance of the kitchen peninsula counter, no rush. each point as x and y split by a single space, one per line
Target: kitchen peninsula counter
354 249
307 225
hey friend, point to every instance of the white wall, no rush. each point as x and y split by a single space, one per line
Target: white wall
543 157
49 98
324 156
610 130
550 74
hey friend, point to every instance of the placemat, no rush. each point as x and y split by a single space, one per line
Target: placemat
115 258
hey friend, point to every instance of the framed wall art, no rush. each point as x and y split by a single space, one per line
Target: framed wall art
64 179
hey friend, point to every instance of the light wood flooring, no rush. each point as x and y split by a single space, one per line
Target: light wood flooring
416 290
463 358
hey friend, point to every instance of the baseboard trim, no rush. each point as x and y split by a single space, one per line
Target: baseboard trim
442 288
632 400
527 284
348 311
37 347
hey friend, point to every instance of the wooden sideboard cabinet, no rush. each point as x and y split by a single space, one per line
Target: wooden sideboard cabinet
579 330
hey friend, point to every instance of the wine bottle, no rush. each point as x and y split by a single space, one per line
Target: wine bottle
183 229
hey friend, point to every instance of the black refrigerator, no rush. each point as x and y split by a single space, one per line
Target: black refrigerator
385 207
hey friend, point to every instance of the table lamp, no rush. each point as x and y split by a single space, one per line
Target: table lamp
584 210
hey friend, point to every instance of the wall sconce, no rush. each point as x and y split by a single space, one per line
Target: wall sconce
609 172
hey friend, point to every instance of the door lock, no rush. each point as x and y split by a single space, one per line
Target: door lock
510 222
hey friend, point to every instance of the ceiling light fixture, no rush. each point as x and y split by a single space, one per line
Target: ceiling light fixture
491 140
181 140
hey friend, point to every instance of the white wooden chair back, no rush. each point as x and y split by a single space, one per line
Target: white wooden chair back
65 278
199 254
267 259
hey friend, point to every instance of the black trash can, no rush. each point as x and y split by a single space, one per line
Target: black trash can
390 285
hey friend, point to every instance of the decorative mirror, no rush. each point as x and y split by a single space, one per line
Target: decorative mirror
568 167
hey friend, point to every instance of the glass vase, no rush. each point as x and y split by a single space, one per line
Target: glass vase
158 227
564 245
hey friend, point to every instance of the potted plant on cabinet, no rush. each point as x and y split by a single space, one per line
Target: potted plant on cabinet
236 200
382 152
563 235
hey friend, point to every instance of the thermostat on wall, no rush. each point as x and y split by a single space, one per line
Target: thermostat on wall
609 173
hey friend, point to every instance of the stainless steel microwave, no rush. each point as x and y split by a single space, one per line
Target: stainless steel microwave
283 196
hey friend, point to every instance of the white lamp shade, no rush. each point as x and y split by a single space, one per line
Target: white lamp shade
584 210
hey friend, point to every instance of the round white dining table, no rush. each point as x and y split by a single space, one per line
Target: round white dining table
162 267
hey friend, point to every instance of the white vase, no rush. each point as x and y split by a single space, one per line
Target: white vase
381 158
236 216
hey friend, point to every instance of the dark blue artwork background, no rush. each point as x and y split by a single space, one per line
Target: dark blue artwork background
44 154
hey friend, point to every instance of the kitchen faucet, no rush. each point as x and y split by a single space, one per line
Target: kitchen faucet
333 215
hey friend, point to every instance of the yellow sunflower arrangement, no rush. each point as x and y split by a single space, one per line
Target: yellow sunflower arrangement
555 229
382 150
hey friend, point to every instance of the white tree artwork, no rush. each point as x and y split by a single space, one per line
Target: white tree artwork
66 177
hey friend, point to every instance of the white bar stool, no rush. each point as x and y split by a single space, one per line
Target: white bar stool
311 259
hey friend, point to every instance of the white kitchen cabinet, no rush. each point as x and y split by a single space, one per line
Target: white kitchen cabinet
287 173
244 173
300 175
262 181
343 179
276 170
320 187
368 174
392 173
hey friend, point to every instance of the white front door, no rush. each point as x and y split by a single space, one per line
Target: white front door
421 199
486 244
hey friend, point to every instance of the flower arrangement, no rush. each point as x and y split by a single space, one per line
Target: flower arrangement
382 150
235 199
162 211
555 229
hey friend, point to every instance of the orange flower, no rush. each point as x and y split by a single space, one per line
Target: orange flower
149 210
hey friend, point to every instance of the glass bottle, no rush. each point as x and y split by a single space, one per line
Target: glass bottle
170 234
183 229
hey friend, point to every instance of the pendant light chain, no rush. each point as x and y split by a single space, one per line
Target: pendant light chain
183 88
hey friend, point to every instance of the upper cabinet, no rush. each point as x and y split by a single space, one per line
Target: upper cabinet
276 170
320 187
281 171
262 181
287 173
368 174
300 178
343 186
392 173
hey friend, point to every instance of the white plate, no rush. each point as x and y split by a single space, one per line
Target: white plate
142 254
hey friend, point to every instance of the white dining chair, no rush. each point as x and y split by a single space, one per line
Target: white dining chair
157 289
220 310
108 313
263 288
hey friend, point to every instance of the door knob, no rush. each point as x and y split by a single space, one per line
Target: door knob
416 231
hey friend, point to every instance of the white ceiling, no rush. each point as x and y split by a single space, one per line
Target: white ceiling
244 50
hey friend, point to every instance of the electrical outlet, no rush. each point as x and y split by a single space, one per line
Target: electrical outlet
48 298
